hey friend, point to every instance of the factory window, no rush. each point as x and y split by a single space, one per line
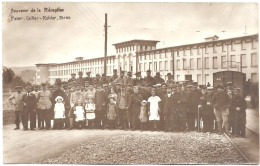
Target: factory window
150 66
198 50
171 64
233 60
184 64
145 66
178 77
155 56
206 49
223 47
254 44
191 63
206 63
214 48
254 60
233 46
160 66
155 66
199 63
166 65
191 51
243 57
223 62
215 63
178 53
141 67
178 65
184 52
150 56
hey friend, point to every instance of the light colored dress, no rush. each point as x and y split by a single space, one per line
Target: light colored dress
90 111
79 112
59 111
154 107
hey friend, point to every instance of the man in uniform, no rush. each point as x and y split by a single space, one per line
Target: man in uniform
149 79
121 78
146 93
158 79
128 79
138 80
182 100
80 80
100 101
104 79
73 77
35 92
15 101
88 78
114 77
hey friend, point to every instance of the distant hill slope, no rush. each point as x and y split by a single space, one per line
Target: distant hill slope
18 70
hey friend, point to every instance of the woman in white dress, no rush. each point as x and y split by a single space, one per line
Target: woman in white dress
154 110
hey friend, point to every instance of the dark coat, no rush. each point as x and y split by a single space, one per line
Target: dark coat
149 80
134 103
158 80
237 101
30 102
100 99
169 104
138 81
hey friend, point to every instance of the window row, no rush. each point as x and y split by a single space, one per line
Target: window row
235 61
156 66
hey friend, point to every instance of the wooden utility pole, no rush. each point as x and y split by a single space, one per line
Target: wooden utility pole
105 58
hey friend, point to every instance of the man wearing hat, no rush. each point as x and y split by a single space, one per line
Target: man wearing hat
138 80
220 102
134 106
128 80
29 103
43 107
104 79
58 92
80 80
158 79
75 96
16 102
114 77
100 100
97 80
88 78
146 93
73 77
123 112
35 92
170 79
121 78
149 79
237 114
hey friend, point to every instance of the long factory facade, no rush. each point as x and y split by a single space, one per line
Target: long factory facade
197 61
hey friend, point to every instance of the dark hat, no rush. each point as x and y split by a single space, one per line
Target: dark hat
103 75
80 72
129 72
88 72
122 71
43 84
97 74
149 71
18 87
220 87
169 74
137 73
115 70
73 74
158 73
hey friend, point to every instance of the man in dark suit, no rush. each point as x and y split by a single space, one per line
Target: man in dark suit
29 103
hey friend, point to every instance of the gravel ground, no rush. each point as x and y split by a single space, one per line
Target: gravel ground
152 148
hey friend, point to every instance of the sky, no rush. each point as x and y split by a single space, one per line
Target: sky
29 42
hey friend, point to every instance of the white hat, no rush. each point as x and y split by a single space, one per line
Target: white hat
144 101
58 97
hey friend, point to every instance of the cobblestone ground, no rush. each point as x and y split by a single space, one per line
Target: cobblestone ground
152 148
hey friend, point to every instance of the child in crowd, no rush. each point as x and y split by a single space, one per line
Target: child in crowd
59 113
154 103
90 112
143 115
111 113
79 114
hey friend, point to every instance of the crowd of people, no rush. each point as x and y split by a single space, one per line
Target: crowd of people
123 102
